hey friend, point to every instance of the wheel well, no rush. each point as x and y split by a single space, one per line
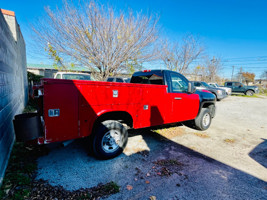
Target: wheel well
214 94
210 106
121 116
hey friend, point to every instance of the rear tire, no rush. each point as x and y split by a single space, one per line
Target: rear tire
109 139
202 121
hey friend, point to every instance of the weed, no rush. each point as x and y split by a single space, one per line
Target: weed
21 194
111 188
32 106
2 194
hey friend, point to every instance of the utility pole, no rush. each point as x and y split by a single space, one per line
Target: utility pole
240 75
213 70
232 72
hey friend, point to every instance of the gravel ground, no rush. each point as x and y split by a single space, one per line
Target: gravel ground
228 161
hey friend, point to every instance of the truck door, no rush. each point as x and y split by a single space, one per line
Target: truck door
184 105
238 87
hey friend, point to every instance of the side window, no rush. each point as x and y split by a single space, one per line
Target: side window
179 84
58 76
197 84
110 80
237 84
119 80
228 84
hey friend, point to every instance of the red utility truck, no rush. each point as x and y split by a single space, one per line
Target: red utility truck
71 109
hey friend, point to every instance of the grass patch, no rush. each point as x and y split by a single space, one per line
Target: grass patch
230 141
32 106
243 95
253 96
111 187
20 172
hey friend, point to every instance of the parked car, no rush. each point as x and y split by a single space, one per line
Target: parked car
118 79
219 93
73 76
238 87
227 89
72 109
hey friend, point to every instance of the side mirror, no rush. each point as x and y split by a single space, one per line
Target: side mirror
191 88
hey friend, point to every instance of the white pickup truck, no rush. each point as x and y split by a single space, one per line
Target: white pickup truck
73 76
227 89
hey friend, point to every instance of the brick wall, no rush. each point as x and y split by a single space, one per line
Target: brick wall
13 82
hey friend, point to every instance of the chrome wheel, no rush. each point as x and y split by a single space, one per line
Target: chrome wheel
206 119
111 140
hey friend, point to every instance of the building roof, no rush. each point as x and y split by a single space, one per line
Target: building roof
8 12
53 67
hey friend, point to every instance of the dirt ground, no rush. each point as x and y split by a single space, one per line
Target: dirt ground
228 161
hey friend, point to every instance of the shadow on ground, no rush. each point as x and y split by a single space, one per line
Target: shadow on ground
151 165
259 153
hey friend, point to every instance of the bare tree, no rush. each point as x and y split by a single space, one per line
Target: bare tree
199 73
95 36
213 67
178 57
264 75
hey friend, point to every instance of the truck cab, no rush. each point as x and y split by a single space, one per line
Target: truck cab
186 103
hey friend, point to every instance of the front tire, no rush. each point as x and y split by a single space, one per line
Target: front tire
109 140
202 121
249 93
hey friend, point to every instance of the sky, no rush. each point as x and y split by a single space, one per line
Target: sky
234 30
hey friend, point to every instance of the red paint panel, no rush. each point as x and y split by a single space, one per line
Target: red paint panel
82 102
64 97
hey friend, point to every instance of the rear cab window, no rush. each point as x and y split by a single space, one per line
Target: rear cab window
176 82
110 79
119 80
58 76
154 77
76 77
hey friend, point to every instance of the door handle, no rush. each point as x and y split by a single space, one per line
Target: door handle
177 98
